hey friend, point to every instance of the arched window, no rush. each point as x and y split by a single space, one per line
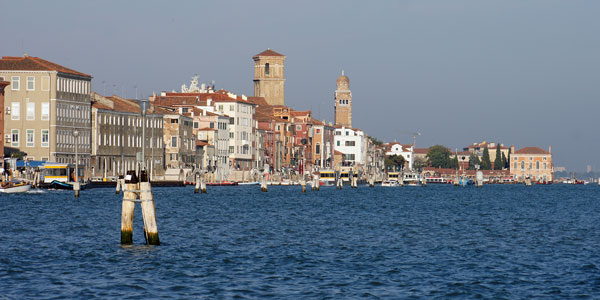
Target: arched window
537 165
267 68
522 165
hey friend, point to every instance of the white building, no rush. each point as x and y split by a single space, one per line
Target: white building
398 149
351 142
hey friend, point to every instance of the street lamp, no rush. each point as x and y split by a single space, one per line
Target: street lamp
143 109
76 135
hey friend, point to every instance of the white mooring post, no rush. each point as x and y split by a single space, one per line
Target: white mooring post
148 211
76 188
202 184
119 186
303 184
128 207
197 187
263 183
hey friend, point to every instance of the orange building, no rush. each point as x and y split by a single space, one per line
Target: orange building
532 162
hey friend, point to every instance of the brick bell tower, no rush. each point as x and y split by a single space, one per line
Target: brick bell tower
343 102
268 77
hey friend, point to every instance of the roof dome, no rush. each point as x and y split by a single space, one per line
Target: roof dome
343 79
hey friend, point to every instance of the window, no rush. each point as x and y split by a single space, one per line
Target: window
267 71
15 111
318 149
347 133
298 127
231 135
30 83
15 137
30 110
537 165
338 143
29 138
184 110
15 83
516 165
545 166
350 143
173 141
195 125
522 165
318 130
230 149
174 121
212 125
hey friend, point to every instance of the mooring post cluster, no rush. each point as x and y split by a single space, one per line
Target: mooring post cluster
138 190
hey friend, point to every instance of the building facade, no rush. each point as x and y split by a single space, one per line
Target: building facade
343 102
532 162
350 142
269 80
44 106
179 141
117 137
3 85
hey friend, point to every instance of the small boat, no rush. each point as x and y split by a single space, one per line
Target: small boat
14 186
223 183
390 183
435 180
59 185
249 183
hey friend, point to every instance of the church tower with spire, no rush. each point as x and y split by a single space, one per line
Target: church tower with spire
343 102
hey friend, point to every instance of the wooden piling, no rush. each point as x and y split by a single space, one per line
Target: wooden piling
76 188
197 187
119 185
202 184
263 184
303 184
128 207
148 212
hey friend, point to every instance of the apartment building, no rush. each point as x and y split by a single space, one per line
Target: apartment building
350 142
533 162
117 137
47 109
179 140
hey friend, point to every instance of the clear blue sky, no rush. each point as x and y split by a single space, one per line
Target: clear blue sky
523 73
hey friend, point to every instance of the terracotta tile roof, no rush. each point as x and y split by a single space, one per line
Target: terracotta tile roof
30 63
172 99
336 152
126 105
268 52
531 150
206 129
421 150
258 100
200 143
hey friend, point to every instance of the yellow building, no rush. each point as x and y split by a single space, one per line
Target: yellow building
269 77
532 162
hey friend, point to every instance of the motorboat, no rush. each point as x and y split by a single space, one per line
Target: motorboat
222 183
59 185
390 183
14 186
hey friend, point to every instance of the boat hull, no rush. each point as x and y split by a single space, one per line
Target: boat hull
16 189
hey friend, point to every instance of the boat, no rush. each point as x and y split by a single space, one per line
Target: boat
223 183
14 186
411 179
59 185
390 183
249 183
436 180
544 182
326 178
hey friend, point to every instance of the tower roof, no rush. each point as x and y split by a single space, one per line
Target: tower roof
343 78
268 52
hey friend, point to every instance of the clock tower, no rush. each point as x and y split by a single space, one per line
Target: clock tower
268 77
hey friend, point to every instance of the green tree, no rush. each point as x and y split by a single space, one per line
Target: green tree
394 162
508 159
375 141
439 157
504 162
498 160
474 161
486 164
419 164
454 162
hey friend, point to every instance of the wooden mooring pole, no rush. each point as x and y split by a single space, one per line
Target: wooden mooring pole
135 190
197 187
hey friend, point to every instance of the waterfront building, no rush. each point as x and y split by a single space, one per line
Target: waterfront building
323 141
237 108
117 137
179 141
351 143
269 80
3 85
463 158
406 151
343 102
532 162
44 105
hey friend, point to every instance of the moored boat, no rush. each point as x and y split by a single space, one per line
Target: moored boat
222 183
59 185
390 183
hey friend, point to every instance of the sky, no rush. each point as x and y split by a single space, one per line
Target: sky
522 73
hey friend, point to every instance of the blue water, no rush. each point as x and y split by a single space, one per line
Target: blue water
438 242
